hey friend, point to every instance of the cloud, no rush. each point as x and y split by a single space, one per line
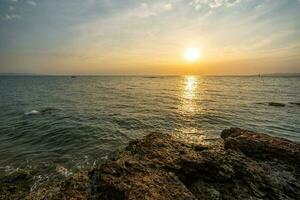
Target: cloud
209 13
11 16
213 4
32 3
11 8
168 6
147 10
232 3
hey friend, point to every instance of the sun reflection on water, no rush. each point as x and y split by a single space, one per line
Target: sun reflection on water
189 95
190 87
189 131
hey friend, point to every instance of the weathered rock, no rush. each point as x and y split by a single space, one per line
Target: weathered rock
75 187
247 165
144 170
295 103
162 167
18 186
15 185
262 146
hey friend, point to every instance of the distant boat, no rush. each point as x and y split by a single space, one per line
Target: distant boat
73 76
150 77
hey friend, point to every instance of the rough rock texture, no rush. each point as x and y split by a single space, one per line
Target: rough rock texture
75 187
15 186
18 186
251 166
261 146
246 165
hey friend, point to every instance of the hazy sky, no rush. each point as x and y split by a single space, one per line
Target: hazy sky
149 36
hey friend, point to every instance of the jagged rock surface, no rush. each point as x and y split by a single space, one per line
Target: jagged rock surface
251 166
246 165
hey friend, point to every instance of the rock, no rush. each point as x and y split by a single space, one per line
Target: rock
162 167
294 103
75 187
144 170
245 165
203 190
276 104
15 185
261 146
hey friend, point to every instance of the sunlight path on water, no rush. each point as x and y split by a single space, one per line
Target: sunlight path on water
190 95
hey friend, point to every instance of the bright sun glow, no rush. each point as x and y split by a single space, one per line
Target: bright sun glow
192 54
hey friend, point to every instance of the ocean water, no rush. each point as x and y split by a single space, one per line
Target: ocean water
55 126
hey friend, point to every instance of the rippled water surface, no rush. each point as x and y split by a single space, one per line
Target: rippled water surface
57 125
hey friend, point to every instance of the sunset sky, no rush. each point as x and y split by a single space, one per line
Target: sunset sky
126 37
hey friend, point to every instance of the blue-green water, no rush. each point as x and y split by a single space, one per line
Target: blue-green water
58 125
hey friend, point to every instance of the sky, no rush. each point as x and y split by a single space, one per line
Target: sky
140 37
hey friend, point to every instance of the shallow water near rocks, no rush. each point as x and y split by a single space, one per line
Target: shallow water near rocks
55 126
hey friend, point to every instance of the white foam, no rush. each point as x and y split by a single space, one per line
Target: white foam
64 171
33 112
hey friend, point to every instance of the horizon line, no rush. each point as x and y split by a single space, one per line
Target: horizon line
155 75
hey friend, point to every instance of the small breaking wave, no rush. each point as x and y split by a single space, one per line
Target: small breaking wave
64 171
42 111
32 112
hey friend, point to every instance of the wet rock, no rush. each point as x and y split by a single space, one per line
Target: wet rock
276 104
294 103
15 185
49 110
144 170
18 185
203 190
75 187
244 165
162 167
262 146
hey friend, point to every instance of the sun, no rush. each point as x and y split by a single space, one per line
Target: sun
192 54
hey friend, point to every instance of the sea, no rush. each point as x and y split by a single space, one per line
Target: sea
55 126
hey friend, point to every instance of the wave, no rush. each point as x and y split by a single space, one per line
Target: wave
32 112
47 110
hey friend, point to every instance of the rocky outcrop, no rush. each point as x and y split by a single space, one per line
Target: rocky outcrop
295 103
15 185
276 104
18 186
261 146
245 165
251 166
